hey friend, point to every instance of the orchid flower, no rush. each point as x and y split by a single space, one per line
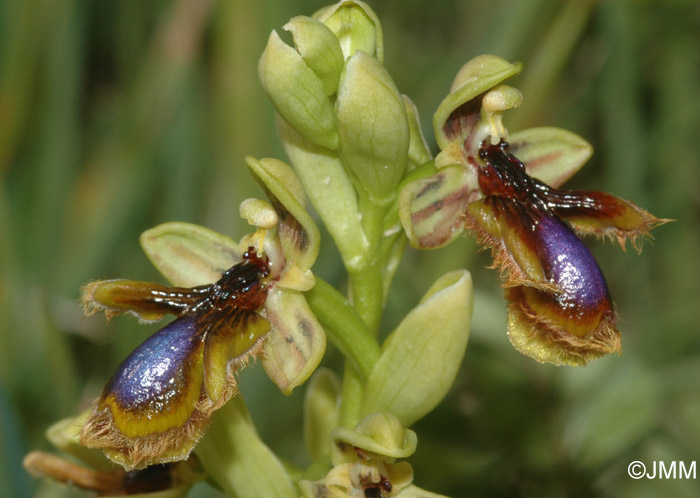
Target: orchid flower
560 309
156 406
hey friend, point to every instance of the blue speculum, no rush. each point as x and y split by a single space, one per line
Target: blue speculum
570 266
150 377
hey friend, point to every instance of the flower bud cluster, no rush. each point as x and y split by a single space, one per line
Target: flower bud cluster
350 135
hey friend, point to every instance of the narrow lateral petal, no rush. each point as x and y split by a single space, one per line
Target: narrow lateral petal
603 215
145 300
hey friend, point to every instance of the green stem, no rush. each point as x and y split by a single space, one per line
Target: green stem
344 327
368 295
367 285
367 291
352 396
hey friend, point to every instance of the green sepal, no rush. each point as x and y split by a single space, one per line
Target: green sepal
297 92
551 155
296 346
189 255
422 356
319 48
372 126
474 78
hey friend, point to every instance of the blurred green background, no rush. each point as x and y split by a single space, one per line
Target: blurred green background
116 116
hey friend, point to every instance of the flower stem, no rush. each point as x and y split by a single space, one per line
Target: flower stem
367 290
352 397
366 280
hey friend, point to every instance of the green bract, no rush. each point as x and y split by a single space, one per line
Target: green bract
238 461
330 190
422 356
320 412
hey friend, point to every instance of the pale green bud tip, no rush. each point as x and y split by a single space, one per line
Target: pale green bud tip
297 92
380 434
258 213
372 124
473 79
356 26
319 48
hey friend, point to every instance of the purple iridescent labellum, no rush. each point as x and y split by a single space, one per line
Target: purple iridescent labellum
157 403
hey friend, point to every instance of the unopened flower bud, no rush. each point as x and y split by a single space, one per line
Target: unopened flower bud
319 48
297 93
372 125
356 26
